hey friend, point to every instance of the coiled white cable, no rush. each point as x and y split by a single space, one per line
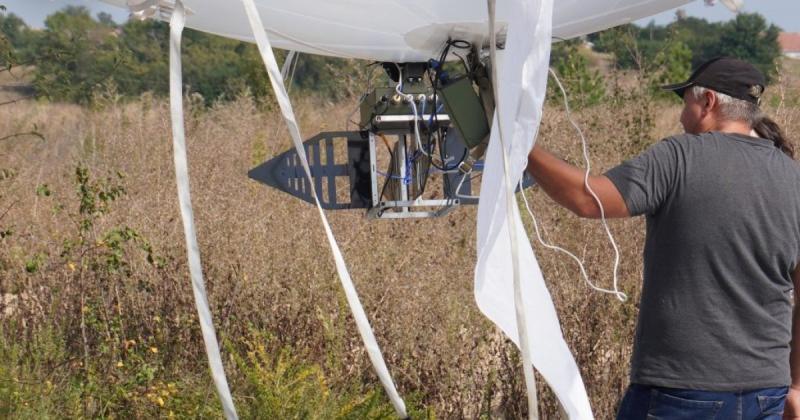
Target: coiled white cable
585 276
620 295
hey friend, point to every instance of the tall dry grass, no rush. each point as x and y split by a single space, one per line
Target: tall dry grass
269 270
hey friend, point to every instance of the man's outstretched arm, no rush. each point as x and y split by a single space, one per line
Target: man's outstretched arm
564 183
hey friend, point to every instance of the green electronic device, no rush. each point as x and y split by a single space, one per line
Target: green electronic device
466 111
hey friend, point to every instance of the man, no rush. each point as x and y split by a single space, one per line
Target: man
722 206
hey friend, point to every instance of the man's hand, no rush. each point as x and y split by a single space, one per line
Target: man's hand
791 410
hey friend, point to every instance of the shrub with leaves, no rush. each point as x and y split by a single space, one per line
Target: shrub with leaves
280 385
584 85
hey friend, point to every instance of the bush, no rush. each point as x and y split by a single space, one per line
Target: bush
584 86
278 384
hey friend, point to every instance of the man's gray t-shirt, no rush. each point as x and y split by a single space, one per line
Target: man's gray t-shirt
723 237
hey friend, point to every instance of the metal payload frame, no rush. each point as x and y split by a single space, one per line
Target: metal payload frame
346 166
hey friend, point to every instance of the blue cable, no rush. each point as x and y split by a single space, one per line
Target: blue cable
406 179
438 110
390 176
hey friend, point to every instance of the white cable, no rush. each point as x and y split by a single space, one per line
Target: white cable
522 324
621 296
559 249
461 184
410 98
360 317
177 23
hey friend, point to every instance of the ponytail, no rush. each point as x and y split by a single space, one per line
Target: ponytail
768 129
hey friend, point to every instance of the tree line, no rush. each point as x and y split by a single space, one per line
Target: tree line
77 55
688 41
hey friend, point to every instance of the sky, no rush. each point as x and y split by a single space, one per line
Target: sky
784 13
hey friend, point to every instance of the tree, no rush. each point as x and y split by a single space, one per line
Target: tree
701 36
76 55
671 65
143 67
106 19
585 87
749 38
11 28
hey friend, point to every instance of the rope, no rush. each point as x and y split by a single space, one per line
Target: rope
177 23
621 296
362 322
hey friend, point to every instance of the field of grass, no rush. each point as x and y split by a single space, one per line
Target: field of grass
97 317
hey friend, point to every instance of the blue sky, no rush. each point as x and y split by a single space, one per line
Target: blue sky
784 13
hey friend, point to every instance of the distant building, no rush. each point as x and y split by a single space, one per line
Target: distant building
790 44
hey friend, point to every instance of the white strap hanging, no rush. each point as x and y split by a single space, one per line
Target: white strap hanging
276 80
507 276
177 22
287 64
519 305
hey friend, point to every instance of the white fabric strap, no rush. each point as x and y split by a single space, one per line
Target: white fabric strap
519 305
176 24
287 64
507 275
276 80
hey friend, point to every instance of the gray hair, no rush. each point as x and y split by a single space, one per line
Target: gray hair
730 108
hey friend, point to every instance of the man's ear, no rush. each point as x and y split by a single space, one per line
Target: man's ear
709 102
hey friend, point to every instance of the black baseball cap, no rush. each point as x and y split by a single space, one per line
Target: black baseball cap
731 76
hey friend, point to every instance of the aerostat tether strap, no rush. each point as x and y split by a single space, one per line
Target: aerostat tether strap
362 323
177 22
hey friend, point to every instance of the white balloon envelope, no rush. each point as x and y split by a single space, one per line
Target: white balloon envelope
394 30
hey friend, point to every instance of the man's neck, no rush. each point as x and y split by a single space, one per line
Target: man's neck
734 127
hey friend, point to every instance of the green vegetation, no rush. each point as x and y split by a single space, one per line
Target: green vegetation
748 36
40 379
659 54
584 85
77 55
280 384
